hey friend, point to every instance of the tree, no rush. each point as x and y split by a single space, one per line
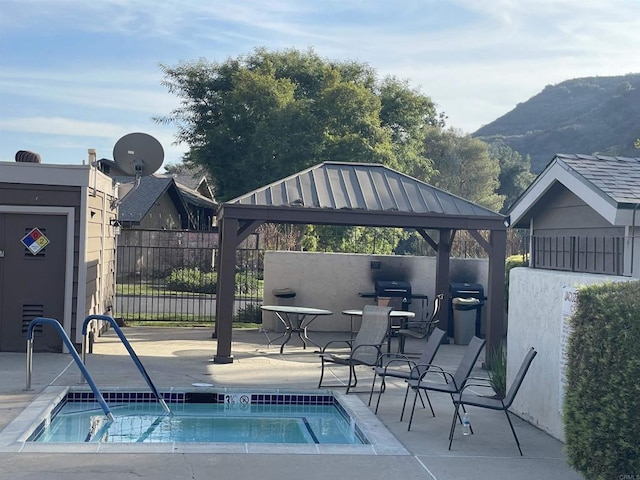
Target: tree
464 166
255 119
515 172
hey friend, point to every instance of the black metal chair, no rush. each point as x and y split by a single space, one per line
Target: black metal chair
365 349
463 398
422 328
394 365
453 383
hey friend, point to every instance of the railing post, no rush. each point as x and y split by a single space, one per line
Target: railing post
29 363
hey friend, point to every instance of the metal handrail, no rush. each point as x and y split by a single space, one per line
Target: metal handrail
74 354
129 348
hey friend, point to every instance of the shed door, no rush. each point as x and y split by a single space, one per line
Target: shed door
31 285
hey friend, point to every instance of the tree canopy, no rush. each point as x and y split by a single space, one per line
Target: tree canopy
255 119
464 166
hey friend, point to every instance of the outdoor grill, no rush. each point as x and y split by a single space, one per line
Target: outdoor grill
398 291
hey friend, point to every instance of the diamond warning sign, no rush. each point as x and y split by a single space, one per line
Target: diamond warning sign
35 241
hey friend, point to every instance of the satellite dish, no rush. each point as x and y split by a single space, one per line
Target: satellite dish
138 154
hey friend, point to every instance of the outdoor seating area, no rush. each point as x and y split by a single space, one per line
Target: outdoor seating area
181 358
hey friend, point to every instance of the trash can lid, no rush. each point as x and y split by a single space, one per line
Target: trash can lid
283 292
465 301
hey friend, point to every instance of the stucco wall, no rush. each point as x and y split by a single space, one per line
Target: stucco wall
333 281
535 320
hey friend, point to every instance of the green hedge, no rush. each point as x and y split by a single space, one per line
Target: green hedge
192 280
602 395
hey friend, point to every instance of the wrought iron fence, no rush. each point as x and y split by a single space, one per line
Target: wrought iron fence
169 276
604 255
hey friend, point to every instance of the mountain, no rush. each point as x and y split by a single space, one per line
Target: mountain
584 115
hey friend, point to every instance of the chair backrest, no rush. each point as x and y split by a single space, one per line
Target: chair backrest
431 348
437 303
517 381
469 359
373 330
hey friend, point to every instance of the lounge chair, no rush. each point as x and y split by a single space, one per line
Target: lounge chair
453 383
420 329
365 348
465 398
400 366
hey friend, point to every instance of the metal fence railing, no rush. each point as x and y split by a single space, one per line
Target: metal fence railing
603 255
169 276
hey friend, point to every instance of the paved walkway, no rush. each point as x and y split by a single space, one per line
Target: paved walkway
181 357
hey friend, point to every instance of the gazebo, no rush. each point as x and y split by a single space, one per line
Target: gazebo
361 194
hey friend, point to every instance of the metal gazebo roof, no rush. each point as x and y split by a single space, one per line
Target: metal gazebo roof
362 194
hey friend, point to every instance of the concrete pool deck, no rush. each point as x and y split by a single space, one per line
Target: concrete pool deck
176 357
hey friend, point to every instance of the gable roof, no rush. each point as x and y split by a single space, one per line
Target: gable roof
609 185
137 203
360 186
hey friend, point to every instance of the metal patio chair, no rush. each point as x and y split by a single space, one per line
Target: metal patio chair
453 383
421 328
365 348
395 365
464 398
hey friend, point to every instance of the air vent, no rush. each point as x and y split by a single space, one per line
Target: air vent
26 156
29 312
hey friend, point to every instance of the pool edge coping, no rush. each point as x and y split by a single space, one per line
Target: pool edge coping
13 438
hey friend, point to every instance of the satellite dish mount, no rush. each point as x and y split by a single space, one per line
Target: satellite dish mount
137 155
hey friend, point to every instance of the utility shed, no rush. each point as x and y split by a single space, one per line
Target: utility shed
57 250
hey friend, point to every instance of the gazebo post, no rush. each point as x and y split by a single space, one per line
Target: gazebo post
495 307
443 255
225 290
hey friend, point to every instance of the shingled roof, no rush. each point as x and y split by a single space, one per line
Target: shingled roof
610 185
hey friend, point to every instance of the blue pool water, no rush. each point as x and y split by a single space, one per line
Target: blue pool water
238 418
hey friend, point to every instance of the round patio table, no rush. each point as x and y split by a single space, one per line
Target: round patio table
295 320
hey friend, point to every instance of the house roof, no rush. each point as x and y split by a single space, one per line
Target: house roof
137 203
360 186
610 185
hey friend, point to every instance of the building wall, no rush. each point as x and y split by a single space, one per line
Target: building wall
536 320
333 281
163 215
100 259
88 193
566 214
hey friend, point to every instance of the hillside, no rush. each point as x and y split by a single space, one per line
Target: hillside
584 115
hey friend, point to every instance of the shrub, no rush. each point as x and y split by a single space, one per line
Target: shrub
602 395
251 313
191 280
512 262
498 371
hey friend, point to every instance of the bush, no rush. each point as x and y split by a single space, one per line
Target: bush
602 395
252 313
512 262
191 280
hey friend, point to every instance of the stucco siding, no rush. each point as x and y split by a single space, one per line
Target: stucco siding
535 320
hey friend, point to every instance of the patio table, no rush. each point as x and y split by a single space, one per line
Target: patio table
293 318
395 314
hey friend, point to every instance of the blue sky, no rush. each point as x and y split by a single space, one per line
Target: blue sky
79 74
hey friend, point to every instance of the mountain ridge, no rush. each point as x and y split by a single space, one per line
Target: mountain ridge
589 115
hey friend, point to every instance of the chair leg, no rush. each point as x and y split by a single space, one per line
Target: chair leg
321 372
415 397
352 374
406 395
456 413
428 401
373 384
506 412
